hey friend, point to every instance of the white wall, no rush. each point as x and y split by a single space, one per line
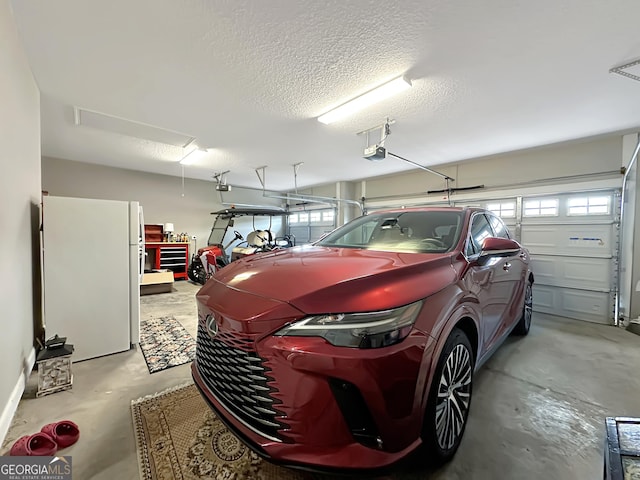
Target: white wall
19 196
160 195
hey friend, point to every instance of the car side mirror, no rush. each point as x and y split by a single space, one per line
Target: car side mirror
499 247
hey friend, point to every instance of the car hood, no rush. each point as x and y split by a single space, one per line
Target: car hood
316 279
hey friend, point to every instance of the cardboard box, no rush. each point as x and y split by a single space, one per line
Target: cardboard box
158 281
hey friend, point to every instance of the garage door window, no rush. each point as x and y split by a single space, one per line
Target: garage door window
310 225
596 205
328 216
504 210
541 208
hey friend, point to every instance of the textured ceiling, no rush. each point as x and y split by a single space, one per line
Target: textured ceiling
248 78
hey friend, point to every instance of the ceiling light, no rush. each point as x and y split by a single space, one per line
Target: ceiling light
193 156
385 90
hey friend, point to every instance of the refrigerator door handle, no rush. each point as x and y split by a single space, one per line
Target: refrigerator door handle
142 241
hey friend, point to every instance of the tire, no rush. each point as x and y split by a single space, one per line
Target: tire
449 399
196 272
524 324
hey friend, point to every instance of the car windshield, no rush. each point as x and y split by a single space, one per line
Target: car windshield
435 231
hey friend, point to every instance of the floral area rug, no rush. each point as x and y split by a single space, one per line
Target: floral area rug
165 343
179 437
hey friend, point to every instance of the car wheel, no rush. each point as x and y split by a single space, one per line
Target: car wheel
449 399
524 324
196 272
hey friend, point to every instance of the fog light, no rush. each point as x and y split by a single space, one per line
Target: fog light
356 413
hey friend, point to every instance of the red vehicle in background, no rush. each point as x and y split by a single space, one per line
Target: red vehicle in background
207 260
352 352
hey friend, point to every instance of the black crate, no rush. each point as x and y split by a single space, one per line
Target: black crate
622 452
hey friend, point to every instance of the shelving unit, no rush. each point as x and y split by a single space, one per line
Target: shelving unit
172 256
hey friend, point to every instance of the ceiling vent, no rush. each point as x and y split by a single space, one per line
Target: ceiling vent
102 121
630 70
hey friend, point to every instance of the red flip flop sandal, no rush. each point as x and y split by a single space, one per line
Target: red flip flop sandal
38 444
64 432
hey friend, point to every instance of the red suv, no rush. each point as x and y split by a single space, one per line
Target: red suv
355 350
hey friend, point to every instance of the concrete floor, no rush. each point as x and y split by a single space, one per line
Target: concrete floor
538 407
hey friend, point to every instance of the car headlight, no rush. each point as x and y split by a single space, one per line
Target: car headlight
360 330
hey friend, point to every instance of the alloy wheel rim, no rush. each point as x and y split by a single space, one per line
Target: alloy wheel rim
528 306
454 396
199 273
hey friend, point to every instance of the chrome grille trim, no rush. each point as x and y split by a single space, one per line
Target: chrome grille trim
238 380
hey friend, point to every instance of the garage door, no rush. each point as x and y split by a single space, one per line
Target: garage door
573 243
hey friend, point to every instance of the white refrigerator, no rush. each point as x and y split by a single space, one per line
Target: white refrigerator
93 260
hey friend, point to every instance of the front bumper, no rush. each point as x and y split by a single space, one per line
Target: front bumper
317 430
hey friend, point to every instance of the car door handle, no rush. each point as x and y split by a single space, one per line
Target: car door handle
506 267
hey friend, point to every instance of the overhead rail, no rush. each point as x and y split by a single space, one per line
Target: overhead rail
301 197
378 152
447 178
223 186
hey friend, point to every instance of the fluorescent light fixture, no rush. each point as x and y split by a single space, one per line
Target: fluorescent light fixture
193 156
376 95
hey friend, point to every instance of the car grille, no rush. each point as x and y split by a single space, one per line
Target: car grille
238 379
